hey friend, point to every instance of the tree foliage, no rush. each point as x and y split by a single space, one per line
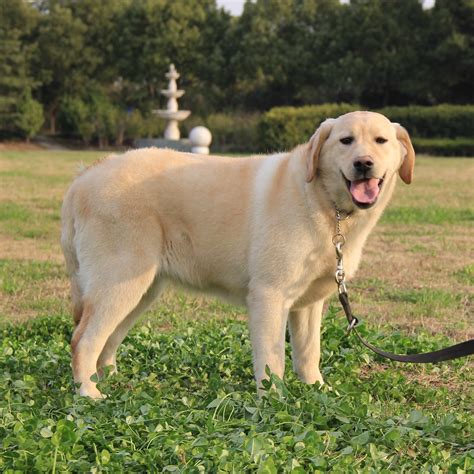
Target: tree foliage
16 47
278 52
30 116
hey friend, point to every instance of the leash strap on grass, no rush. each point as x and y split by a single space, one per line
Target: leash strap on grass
462 349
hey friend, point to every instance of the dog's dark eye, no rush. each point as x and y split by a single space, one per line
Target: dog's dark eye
381 140
346 140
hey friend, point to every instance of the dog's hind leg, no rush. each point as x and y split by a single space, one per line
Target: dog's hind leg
108 355
72 265
107 301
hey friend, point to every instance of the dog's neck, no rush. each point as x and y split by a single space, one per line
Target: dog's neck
361 221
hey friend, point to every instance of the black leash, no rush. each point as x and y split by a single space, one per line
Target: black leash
462 349
456 351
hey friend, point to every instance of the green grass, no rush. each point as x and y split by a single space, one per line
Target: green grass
185 402
17 174
185 398
423 249
466 274
10 211
38 220
426 297
16 276
427 215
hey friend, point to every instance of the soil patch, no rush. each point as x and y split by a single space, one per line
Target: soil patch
19 146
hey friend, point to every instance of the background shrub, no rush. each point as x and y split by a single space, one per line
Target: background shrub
445 146
444 121
231 132
449 128
282 128
97 119
134 125
30 117
440 130
153 126
236 132
75 116
106 118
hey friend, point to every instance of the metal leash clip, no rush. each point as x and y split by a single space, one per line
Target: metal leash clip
352 324
339 241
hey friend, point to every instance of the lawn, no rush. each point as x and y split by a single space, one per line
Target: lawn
184 399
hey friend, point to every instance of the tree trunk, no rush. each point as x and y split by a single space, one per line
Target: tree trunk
52 121
120 136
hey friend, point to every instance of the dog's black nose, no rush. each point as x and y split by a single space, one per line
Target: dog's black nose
363 164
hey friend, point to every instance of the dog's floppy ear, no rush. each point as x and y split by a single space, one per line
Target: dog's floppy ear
314 147
408 163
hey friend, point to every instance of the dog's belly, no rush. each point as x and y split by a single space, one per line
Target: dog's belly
199 266
237 297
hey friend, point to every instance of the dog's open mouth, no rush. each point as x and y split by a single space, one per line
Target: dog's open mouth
364 192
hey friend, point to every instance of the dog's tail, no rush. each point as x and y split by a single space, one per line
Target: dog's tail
68 246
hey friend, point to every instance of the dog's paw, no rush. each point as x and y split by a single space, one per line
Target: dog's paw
312 378
91 392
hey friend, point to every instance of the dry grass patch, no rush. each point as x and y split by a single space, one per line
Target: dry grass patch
412 282
443 376
416 271
412 260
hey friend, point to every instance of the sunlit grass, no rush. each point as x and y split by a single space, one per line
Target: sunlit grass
184 400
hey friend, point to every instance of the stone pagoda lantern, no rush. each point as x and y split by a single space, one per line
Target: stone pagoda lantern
199 137
172 114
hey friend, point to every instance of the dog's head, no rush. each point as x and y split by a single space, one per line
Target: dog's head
356 155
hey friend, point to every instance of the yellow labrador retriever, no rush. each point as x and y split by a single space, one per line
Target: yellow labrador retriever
254 230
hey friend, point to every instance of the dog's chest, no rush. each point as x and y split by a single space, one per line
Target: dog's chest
319 281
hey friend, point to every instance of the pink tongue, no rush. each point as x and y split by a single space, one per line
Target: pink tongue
365 190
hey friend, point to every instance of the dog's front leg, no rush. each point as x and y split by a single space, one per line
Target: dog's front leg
305 332
268 312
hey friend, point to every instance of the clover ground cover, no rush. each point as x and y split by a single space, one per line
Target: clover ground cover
184 399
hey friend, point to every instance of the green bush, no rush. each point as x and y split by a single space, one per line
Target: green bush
445 146
134 125
282 128
30 117
236 132
76 116
107 119
97 118
445 120
285 127
153 126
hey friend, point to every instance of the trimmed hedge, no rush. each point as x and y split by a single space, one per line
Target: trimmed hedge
285 127
445 120
444 146
282 128
236 132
